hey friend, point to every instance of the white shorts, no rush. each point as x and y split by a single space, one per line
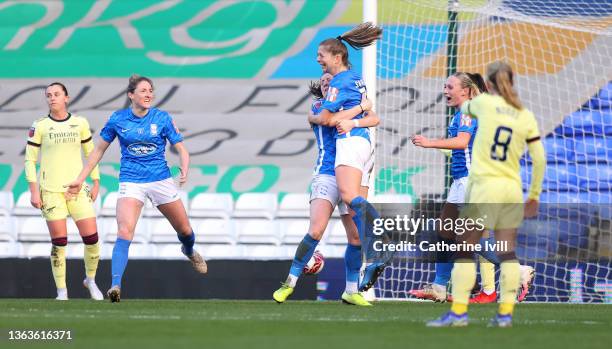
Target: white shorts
325 187
160 192
358 153
456 194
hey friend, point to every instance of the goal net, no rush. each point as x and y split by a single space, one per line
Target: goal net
560 51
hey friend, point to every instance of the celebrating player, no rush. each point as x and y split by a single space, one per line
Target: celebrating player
353 149
59 138
494 190
143 131
459 88
323 199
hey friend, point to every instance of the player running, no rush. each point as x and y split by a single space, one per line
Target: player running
323 199
143 131
494 189
461 87
353 150
59 138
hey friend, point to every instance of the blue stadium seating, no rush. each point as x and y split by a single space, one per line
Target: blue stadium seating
603 100
595 177
595 123
558 177
591 149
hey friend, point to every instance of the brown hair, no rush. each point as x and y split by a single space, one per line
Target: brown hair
60 85
314 88
135 79
359 37
500 75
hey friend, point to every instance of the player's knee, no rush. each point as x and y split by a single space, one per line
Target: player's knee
125 233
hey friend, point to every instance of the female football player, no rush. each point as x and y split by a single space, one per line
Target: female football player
323 199
143 132
59 138
353 149
494 191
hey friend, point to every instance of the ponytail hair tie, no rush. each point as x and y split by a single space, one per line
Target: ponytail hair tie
339 37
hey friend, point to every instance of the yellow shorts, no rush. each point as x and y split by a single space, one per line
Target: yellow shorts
498 203
56 206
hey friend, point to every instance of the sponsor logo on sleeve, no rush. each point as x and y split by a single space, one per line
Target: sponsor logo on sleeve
466 120
332 94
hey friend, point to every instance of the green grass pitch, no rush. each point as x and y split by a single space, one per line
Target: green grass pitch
172 324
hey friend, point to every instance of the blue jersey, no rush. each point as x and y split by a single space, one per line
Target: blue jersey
345 91
143 143
326 142
461 159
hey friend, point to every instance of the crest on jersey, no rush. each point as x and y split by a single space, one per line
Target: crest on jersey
332 94
466 120
153 129
32 130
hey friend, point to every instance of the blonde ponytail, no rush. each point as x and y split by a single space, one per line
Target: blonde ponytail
501 77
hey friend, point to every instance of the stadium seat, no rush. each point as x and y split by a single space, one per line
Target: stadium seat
32 229
257 231
10 249
152 211
161 231
559 149
215 251
211 205
23 206
292 231
560 177
603 99
35 250
7 226
392 199
294 205
336 234
595 177
6 201
537 239
590 149
256 205
109 205
594 123
214 231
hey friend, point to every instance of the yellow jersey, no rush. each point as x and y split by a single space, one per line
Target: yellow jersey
59 143
502 137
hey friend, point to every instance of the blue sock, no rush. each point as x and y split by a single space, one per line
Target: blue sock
119 261
302 255
187 241
443 273
491 256
352 263
364 217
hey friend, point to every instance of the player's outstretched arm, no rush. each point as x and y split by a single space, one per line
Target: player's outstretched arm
92 161
183 162
460 142
538 158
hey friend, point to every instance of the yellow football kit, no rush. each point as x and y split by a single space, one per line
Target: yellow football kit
59 143
500 142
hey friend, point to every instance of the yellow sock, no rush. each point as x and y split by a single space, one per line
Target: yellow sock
91 258
58 265
487 275
510 278
462 279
